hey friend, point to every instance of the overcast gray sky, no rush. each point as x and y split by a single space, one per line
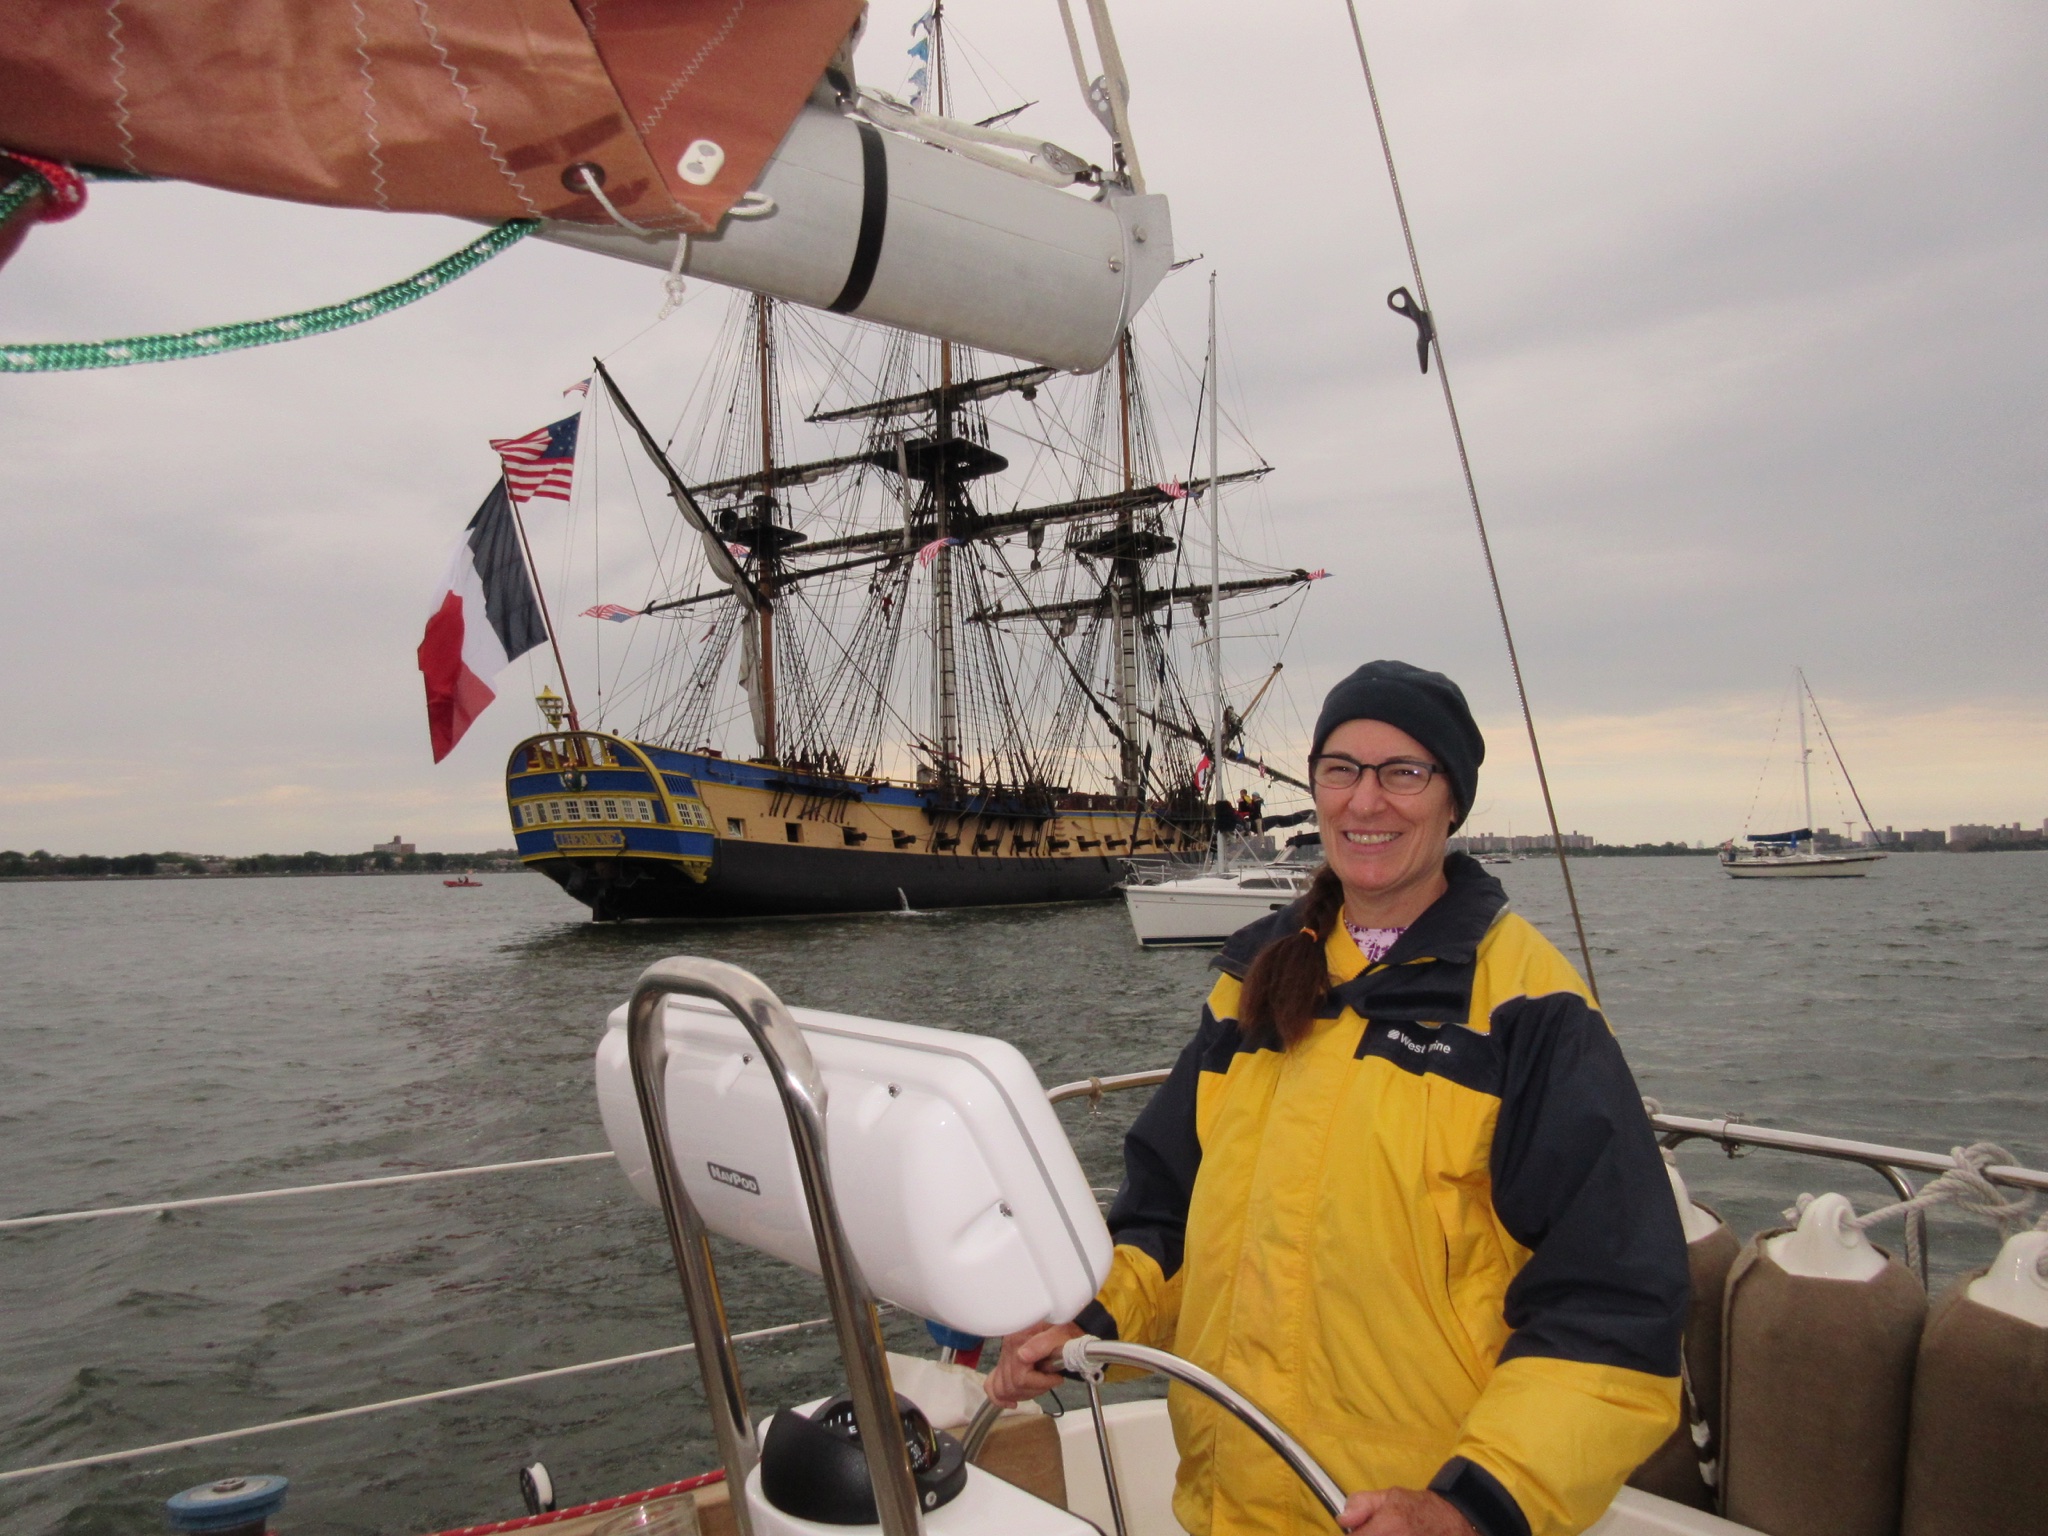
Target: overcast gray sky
1747 305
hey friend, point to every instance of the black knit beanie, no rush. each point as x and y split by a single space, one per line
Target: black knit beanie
1427 705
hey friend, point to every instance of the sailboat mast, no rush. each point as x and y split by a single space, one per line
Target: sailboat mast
1127 594
1210 494
946 663
1805 753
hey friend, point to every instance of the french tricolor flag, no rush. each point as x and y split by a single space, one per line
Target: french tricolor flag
485 614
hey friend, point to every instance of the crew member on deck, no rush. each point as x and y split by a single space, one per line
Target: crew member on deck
1400 1188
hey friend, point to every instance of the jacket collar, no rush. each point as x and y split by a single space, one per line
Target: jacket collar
1449 930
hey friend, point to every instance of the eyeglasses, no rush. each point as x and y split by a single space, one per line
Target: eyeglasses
1397 775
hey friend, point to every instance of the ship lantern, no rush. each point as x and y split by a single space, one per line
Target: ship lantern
552 709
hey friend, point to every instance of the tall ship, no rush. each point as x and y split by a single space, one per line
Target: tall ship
944 655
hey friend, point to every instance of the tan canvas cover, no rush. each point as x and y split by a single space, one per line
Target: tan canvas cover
475 108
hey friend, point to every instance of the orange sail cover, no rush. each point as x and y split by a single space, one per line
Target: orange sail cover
474 108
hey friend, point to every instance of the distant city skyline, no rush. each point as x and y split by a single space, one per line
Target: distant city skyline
1961 835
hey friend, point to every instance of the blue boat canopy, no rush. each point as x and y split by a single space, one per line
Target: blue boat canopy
1803 835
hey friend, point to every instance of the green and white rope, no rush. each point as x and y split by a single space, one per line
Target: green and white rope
69 356
17 192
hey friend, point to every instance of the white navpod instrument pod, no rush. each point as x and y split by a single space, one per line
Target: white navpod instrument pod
960 1194
1980 1401
1679 1469
1819 1335
869 223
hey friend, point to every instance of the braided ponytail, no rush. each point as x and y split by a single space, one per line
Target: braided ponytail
1287 981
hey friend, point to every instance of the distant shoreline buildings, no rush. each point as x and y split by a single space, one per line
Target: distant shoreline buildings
1486 842
1963 838
398 857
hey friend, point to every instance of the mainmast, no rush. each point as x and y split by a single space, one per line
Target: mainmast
764 525
945 660
1127 585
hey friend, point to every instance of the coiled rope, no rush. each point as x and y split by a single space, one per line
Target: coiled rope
72 356
1964 1187
1432 337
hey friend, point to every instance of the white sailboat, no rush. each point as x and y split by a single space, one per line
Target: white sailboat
1793 855
1208 908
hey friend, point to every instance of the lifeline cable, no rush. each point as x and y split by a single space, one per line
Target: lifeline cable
1435 342
68 356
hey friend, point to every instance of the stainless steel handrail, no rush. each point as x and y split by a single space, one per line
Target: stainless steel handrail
1871 1154
1085 1351
802 1092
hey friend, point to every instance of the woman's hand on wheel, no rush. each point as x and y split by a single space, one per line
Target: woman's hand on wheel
1403 1512
1018 1376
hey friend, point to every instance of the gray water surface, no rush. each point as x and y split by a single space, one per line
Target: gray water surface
174 1038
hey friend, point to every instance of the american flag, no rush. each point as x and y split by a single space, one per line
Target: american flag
611 611
930 552
540 463
1317 575
1174 489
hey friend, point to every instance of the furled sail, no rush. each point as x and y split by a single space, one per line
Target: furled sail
704 137
482 109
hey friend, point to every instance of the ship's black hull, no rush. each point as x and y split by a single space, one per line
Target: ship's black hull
755 880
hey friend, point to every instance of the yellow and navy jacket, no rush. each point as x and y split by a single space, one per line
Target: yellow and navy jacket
1434 1238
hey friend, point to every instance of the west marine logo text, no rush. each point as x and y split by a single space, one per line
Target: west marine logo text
1419 1047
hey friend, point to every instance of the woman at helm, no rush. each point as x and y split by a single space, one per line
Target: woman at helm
1400 1188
